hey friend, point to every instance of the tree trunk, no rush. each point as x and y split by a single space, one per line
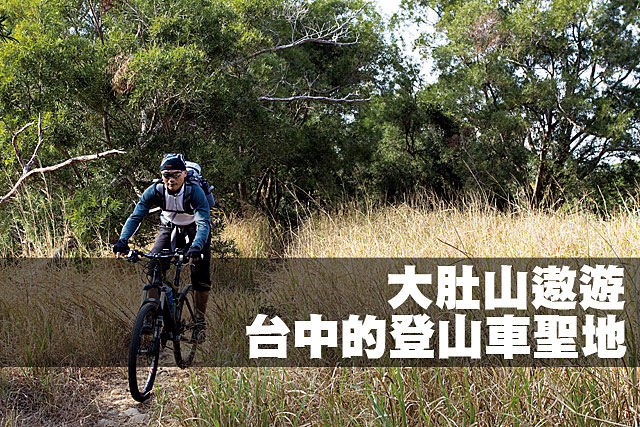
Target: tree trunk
105 128
541 180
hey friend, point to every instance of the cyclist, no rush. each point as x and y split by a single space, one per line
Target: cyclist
184 225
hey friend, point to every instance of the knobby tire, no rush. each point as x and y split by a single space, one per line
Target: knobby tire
184 349
144 351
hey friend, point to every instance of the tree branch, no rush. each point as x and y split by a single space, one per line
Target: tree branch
5 33
14 138
593 164
26 167
626 148
319 39
346 99
4 199
329 37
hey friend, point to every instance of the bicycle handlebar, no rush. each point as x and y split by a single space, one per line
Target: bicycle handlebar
132 256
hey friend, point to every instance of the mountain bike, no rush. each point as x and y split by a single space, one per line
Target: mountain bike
171 318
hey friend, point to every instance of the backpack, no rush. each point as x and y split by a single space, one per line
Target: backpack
193 178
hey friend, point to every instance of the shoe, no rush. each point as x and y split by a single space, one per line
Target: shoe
198 335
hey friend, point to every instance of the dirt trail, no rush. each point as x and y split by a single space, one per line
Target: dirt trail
116 407
85 396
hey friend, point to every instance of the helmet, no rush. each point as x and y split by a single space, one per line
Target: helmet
194 166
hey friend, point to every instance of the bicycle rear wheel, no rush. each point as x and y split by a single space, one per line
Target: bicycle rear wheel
144 351
184 346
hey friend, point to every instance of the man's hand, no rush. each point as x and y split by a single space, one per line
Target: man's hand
194 253
121 247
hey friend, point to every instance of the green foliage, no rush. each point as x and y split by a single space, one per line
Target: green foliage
612 187
406 143
222 248
557 79
534 99
92 213
184 76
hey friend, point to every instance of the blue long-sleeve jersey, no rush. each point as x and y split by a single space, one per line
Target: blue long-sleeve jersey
151 199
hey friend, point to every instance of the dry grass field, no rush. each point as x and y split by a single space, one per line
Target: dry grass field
362 396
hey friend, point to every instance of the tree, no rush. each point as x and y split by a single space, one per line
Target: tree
405 143
241 85
559 80
51 73
258 92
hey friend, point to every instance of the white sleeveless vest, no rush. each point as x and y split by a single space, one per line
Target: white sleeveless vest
174 205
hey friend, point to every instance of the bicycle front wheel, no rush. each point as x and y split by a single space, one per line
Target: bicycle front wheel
144 351
184 344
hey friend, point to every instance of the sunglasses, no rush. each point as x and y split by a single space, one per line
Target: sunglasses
171 174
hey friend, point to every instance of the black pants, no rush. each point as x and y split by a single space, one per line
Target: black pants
200 270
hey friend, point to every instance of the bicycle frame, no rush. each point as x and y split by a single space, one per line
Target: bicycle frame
158 282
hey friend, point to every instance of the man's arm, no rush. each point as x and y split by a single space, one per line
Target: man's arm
201 212
147 201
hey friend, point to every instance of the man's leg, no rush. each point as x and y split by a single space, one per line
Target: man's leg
201 279
201 298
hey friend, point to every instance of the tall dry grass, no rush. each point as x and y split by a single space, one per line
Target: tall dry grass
435 396
253 235
408 396
426 227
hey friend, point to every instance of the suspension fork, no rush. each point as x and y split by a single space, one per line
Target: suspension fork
156 283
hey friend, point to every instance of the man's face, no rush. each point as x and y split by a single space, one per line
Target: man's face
173 179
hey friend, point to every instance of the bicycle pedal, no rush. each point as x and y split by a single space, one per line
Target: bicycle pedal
198 336
184 338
